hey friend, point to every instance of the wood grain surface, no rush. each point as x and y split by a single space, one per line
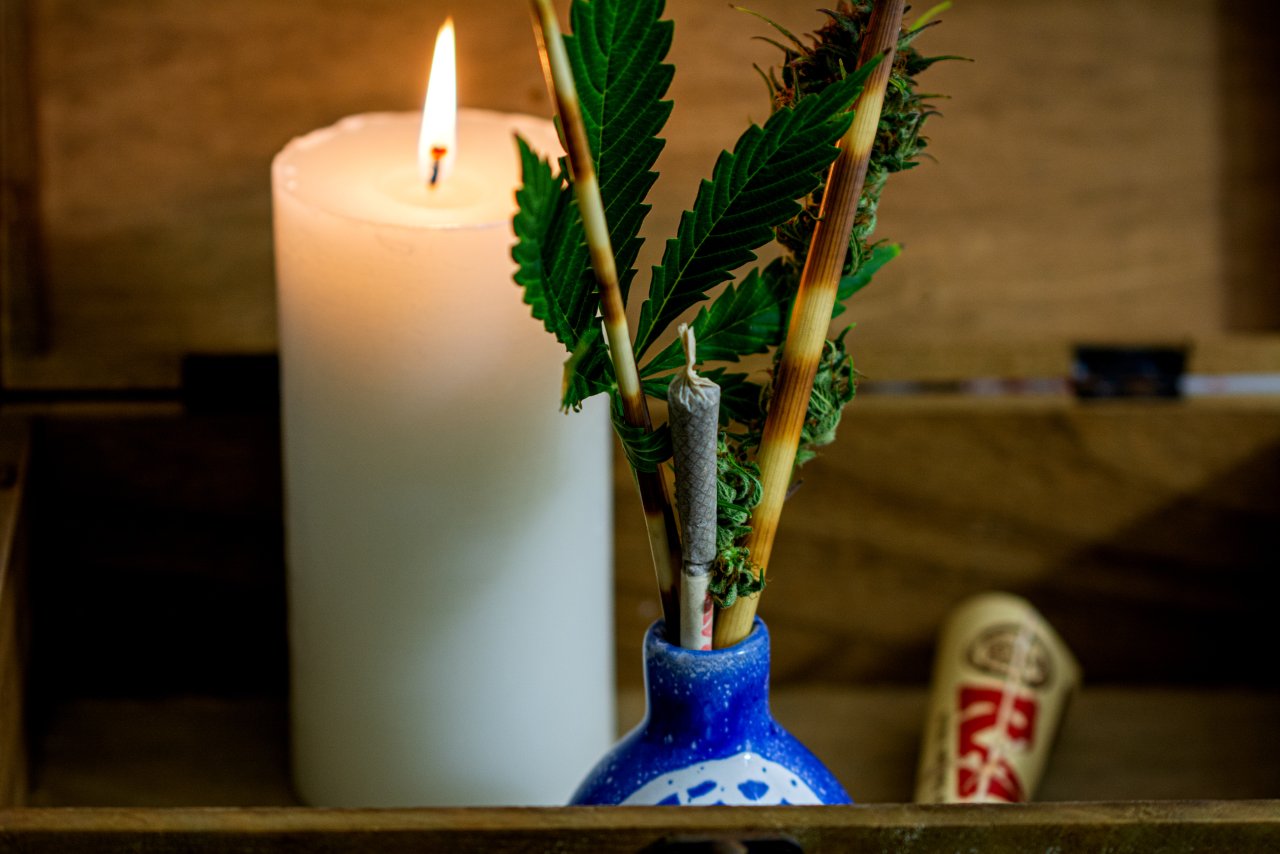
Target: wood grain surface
1147 534
1249 199
14 614
24 321
1146 531
1117 743
159 543
1135 828
1101 167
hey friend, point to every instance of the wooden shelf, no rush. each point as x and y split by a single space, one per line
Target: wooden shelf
1118 744
1242 827
1148 530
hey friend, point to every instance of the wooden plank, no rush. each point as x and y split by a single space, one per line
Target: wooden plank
13 614
1136 827
1157 520
158 124
1060 205
1077 192
159 539
165 752
1048 357
23 313
1118 743
1250 206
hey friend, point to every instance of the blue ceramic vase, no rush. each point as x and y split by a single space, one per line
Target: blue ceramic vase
708 737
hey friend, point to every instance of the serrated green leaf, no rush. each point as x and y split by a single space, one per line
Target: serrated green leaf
656 387
744 319
616 51
787 33
898 145
645 450
550 251
881 254
739 397
588 371
752 317
752 189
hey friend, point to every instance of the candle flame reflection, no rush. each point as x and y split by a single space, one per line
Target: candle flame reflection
438 141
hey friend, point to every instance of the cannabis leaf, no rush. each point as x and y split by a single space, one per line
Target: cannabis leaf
752 190
550 251
752 317
746 318
881 254
645 450
899 145
739 397
588 371
617 50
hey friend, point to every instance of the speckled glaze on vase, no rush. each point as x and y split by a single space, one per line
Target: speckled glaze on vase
708 737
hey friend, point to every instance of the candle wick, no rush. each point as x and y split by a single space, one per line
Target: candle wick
437 155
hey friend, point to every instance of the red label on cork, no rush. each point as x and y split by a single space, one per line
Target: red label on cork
994 724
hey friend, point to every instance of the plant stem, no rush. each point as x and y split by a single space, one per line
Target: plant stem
811 316
664 540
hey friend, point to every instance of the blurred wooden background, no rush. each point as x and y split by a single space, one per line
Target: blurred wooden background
1103 173
1102 164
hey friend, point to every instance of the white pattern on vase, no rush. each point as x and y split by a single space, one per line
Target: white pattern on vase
743 779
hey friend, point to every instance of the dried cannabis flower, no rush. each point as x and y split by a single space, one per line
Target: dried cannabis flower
832 52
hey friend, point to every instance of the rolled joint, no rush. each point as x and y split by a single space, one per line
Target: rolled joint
697 611
697 570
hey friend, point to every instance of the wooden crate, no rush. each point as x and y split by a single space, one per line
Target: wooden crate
1102 174
178 712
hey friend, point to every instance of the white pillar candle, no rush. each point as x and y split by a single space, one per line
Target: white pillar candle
448 529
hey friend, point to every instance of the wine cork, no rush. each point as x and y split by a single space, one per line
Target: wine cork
1001 682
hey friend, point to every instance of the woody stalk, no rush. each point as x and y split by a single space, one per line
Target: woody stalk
655 501
811 316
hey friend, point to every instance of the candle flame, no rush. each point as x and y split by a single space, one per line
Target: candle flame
438 142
